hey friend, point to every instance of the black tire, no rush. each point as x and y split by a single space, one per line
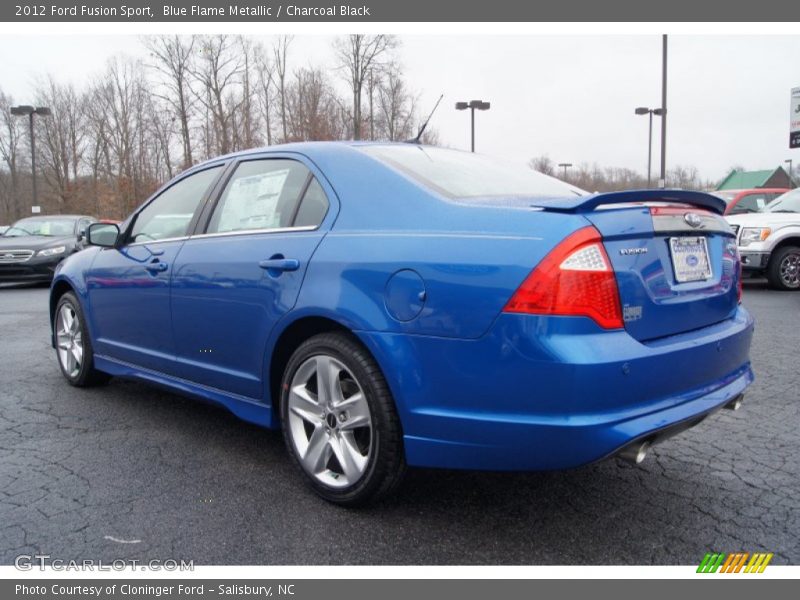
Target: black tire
777 275
385 465
85 375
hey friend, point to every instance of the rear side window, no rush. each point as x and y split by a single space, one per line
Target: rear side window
169 215
261 194
313 207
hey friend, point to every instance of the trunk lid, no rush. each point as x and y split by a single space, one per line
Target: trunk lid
674 258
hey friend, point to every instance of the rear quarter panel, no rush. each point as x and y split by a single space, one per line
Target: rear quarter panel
470 257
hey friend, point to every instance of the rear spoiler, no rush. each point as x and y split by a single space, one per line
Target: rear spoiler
591 202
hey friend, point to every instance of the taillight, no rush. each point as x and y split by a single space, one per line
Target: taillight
576 278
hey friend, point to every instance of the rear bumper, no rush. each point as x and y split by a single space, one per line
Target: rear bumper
537 445
551 393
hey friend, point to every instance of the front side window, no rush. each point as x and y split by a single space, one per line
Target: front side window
261 194
169 215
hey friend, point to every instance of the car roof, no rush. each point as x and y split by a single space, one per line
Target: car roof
39 217
308 148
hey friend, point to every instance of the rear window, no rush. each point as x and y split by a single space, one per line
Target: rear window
727 196
466 175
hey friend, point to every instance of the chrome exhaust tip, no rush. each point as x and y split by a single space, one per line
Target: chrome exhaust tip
635 453
736 403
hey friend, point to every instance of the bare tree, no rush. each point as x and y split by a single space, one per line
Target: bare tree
11 131
280 52
172 57
248 136
312 107
396 106
373 82
543 164
118 97
162 131
359 55
62 138
219 70
265 77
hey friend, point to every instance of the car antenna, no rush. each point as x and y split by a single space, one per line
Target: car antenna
425 124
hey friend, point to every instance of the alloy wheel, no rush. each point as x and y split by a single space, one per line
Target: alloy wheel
790 270
330 424
69 340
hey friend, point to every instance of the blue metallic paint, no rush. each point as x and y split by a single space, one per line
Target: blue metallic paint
646 281
474 387
224 305
130 305
549 392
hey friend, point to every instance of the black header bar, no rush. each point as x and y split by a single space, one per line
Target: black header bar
399 11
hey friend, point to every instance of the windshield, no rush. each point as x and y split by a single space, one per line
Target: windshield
466 175
787 203
47 227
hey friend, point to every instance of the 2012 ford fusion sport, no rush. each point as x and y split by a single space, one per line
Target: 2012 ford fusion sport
396 304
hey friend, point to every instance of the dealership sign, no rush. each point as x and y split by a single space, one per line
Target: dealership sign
794 119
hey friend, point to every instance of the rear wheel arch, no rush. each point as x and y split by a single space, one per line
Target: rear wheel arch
293 336
290 340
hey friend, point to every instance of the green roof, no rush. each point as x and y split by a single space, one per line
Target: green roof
745 180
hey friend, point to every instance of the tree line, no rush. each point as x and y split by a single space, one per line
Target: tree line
595 178
112 141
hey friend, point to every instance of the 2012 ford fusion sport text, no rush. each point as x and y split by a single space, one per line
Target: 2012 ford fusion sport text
393 305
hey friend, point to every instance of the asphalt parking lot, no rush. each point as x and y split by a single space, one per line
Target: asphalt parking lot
177 479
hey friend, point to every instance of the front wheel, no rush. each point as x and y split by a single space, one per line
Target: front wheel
73 344
783 272
339 421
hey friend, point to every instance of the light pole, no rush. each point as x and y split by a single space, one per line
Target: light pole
565 166
663 180
643 110
26 110
791 179
472 105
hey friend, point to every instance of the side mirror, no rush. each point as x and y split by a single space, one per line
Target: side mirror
102 234
81 235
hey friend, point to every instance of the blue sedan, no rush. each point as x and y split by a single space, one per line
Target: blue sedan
394 305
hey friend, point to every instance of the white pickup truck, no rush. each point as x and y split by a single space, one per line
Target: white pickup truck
769 241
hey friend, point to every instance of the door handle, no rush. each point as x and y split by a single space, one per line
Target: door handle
156 267
280 264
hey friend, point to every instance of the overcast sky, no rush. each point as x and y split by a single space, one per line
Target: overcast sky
569 97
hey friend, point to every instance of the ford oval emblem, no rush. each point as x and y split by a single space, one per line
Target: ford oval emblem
693 219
